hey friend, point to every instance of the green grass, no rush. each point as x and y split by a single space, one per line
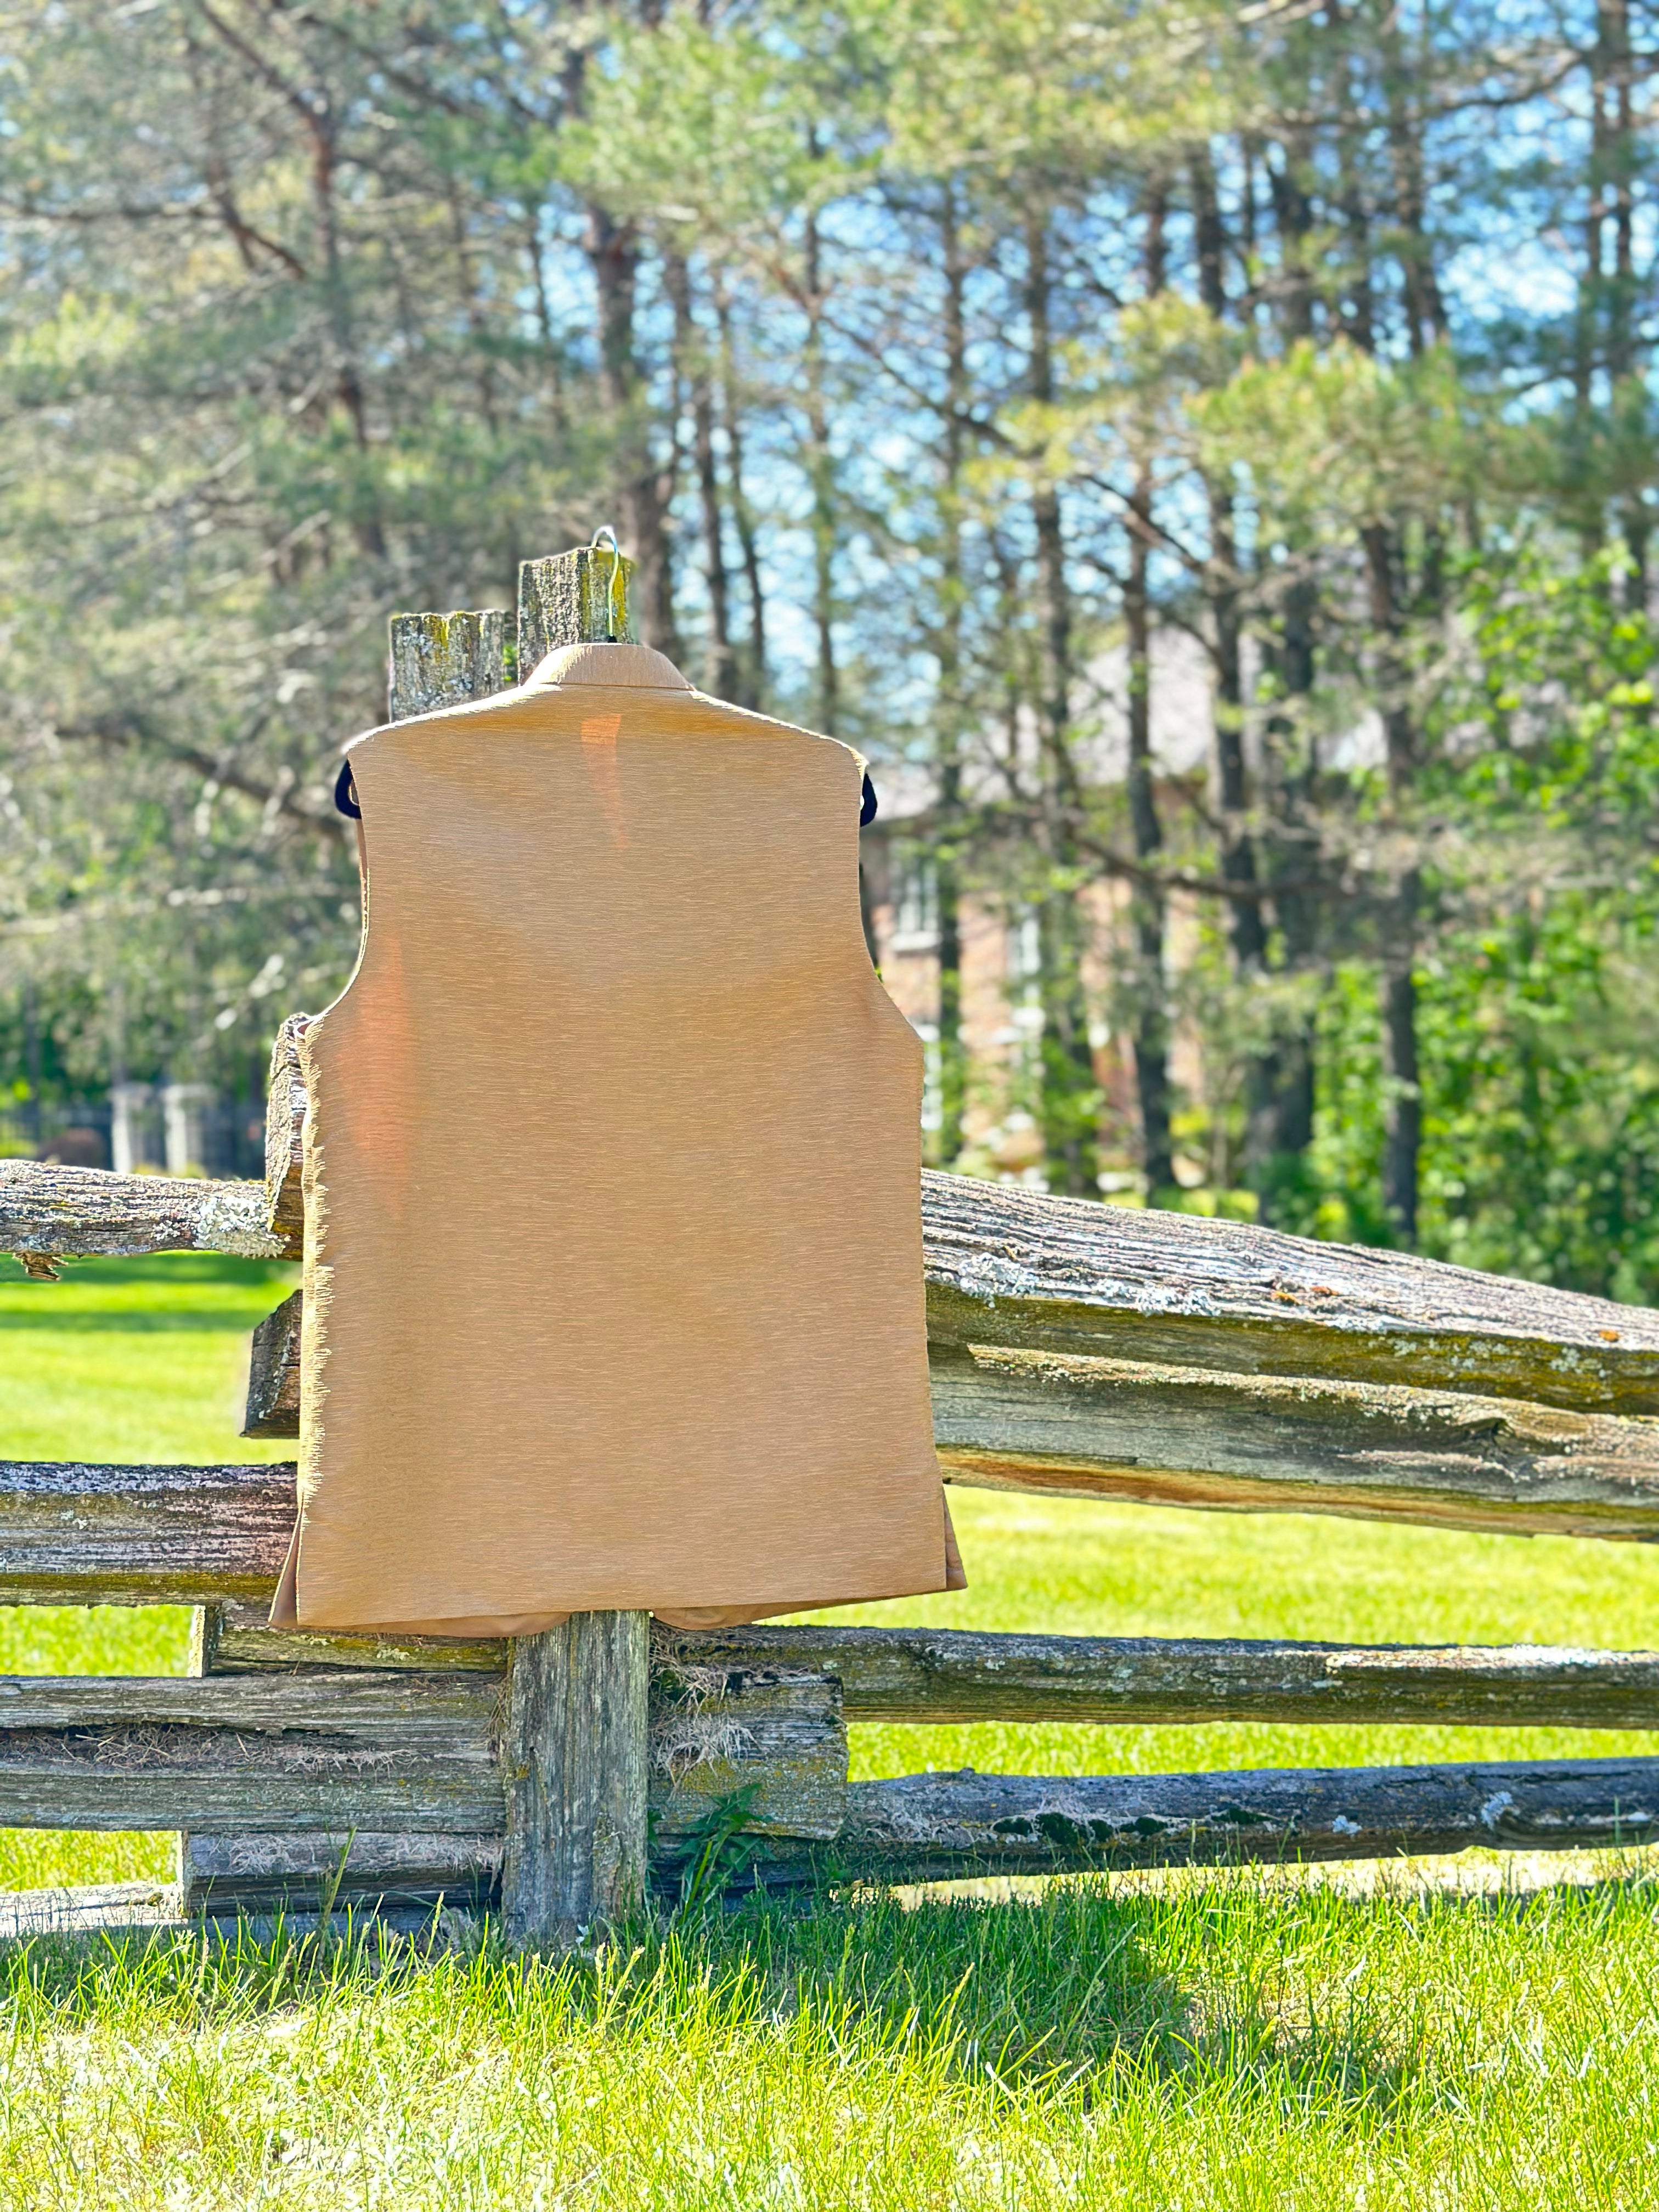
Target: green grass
1233 2046
134 1360
1220 2040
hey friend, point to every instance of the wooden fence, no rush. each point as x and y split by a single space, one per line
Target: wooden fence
1077 1350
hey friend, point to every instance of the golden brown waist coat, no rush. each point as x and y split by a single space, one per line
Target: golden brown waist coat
613 1240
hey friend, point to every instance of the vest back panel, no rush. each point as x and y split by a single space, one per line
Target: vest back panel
612 1170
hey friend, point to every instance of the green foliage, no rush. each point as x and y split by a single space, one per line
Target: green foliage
929 355
1539 994
1542 1123
1331 438
242 424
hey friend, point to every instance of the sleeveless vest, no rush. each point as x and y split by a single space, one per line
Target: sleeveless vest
613 1282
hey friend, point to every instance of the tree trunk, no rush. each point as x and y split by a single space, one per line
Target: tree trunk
820 469
1402 75
1403 1122
1279 1084
753 688
1221 591
644 490
952 1068
1069 1096
1621 161
1293 219
1151 1037
1245 924
1403 1106
721 676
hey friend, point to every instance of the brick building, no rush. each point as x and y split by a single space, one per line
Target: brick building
1002 1014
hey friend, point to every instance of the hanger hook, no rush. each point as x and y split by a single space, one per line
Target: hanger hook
605 531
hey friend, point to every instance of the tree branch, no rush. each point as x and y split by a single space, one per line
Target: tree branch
126 729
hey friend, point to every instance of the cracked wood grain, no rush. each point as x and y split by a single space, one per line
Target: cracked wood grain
942 1828
944 1675
293 1872
774 1731
58 1212
576 1766
1016 1270
72 1533
251 1753
1068 1425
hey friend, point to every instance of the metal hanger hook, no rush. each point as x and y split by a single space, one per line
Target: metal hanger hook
605 531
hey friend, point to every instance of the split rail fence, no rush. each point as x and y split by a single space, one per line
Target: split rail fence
1077 1350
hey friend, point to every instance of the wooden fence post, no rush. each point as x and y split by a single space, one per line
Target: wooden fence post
575 1755
575 1760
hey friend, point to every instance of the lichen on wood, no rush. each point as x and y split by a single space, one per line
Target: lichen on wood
241 1754
293 1872
87 1212
774 1733
273 1377
571 600
74 1532
240 1640
576 1766
1026 1270
445 660
953 1827
951 1676
285 1114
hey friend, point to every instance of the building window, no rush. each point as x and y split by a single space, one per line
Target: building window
916 899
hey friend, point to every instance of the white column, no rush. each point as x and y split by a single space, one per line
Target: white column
184 1106
132 1143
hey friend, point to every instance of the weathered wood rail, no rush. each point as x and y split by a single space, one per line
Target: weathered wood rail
291 1748
215 1537
1011 1412
1076 1350
942 1674
1013 1268
943 1828
293 1759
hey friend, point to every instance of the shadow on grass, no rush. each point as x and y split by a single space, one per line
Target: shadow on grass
1070 1991
236 1321
170 1268
137 1291
1225 1986
1296 2000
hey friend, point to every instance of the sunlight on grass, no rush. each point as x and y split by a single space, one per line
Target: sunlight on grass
1228 2046
131 1360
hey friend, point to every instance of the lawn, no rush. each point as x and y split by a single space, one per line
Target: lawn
1213 2041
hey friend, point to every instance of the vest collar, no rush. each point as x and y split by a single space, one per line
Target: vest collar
617 667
